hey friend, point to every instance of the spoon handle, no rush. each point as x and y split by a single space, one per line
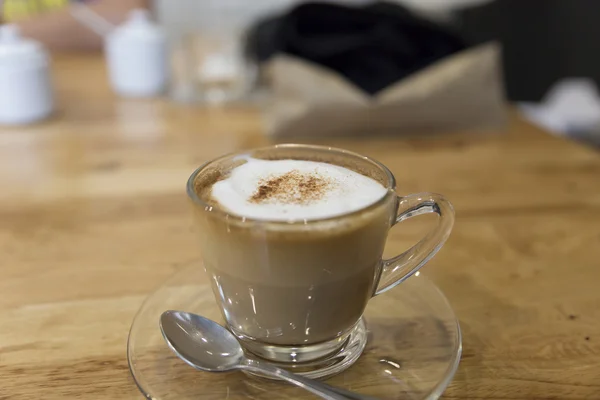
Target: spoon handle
348 394
318 388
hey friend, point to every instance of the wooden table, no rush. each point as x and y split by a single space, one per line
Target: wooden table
93 217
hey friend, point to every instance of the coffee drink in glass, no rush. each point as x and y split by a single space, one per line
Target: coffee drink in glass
292 238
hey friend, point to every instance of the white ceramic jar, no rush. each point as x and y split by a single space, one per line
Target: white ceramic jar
136 53
25 87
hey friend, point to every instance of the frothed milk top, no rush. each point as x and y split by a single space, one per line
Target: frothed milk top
282 190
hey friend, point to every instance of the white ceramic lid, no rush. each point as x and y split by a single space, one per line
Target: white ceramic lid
15 51
139 26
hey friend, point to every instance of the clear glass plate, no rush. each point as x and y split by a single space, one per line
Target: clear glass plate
413 348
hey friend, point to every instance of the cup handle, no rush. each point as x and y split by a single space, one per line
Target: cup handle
395 270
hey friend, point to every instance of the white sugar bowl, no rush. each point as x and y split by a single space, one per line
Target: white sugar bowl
25 86
136 53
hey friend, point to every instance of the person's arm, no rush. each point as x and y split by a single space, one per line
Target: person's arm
59 30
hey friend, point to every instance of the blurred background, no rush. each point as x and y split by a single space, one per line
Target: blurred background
223 52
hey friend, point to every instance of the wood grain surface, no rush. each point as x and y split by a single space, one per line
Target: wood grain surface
93 217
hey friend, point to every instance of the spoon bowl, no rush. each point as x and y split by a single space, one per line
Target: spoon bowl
202 343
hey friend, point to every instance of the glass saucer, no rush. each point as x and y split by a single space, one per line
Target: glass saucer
412 352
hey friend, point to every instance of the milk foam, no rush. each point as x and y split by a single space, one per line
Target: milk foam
338 190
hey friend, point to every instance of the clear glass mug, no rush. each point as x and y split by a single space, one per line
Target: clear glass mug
294 292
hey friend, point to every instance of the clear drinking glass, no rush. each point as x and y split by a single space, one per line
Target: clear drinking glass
207 46
294 292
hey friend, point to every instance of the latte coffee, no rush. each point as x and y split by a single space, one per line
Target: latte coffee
292 239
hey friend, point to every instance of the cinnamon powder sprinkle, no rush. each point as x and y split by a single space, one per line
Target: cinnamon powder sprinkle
292 187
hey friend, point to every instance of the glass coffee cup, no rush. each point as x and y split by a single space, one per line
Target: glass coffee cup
294 291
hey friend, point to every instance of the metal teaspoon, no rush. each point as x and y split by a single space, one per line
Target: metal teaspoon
205 345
